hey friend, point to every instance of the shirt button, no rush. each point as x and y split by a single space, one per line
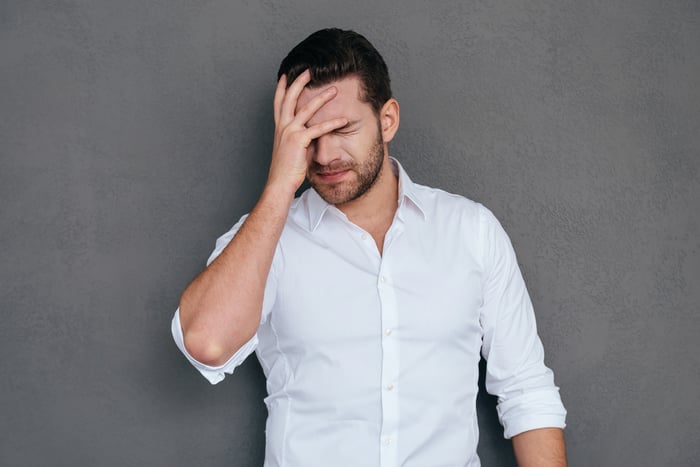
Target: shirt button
382 279
364 236
387 441
387 332
389 387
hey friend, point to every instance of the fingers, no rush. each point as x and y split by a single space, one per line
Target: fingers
279 97
310 108
285 103
320 129
291 95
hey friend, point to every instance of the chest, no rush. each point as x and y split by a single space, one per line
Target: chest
346 292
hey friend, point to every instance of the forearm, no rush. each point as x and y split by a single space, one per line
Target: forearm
220 309
542 447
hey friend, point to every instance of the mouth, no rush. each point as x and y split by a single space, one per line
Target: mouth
332 175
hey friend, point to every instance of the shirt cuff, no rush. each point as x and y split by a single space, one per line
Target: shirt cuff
213 374
540 409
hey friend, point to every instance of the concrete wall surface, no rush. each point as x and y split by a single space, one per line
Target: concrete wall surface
133 133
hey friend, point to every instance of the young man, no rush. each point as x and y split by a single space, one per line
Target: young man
368 299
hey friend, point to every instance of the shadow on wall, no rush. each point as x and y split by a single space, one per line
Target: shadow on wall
493 448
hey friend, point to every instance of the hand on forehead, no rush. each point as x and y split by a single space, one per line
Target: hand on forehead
346 102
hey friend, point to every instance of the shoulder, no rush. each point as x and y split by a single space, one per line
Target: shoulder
443 205
453 215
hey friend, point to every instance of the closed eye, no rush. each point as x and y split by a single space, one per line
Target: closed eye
349 129
344 132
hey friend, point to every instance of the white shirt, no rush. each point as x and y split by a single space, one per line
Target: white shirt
372 360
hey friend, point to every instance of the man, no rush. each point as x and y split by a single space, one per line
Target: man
368 299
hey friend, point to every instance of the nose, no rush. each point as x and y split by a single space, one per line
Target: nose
324 150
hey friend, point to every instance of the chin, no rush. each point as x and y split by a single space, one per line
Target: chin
331 196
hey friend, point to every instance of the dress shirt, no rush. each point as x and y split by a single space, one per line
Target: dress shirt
373 360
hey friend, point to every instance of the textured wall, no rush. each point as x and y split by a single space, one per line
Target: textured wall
133 133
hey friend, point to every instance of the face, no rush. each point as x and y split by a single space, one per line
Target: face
346 163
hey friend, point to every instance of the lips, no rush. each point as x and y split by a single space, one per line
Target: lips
332 175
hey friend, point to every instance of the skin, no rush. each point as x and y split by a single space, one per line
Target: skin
544 447
338 160
347 162
330 135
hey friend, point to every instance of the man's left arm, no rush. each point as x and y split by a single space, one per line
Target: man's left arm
529 406
543 447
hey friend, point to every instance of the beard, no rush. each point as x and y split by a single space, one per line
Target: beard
367 174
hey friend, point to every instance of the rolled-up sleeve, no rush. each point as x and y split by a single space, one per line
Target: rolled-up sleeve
515 371
213 374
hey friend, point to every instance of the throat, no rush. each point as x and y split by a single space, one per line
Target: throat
374 211
377 227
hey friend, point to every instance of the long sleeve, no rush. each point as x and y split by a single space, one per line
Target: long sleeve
516 373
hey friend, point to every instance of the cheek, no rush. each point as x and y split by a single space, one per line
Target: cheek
359 145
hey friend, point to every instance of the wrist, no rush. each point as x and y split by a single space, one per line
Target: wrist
278 192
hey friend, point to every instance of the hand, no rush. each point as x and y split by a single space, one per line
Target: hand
292 136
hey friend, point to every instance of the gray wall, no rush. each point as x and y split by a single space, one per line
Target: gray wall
134 133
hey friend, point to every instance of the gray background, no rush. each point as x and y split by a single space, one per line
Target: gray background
134 133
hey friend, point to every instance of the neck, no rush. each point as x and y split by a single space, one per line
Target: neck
375 209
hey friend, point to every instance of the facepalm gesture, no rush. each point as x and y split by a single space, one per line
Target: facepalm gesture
292 135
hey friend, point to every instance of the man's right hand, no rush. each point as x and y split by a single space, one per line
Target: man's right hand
292 137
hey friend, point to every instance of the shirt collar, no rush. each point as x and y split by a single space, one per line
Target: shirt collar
317 207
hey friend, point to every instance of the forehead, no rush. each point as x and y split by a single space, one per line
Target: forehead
347 103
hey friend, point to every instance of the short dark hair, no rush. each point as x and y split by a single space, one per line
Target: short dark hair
332 54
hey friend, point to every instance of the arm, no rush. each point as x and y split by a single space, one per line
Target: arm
220 310
529 405
543 447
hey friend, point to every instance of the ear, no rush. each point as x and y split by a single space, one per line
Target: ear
389 119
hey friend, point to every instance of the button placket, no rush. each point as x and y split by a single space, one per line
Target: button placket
390 366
